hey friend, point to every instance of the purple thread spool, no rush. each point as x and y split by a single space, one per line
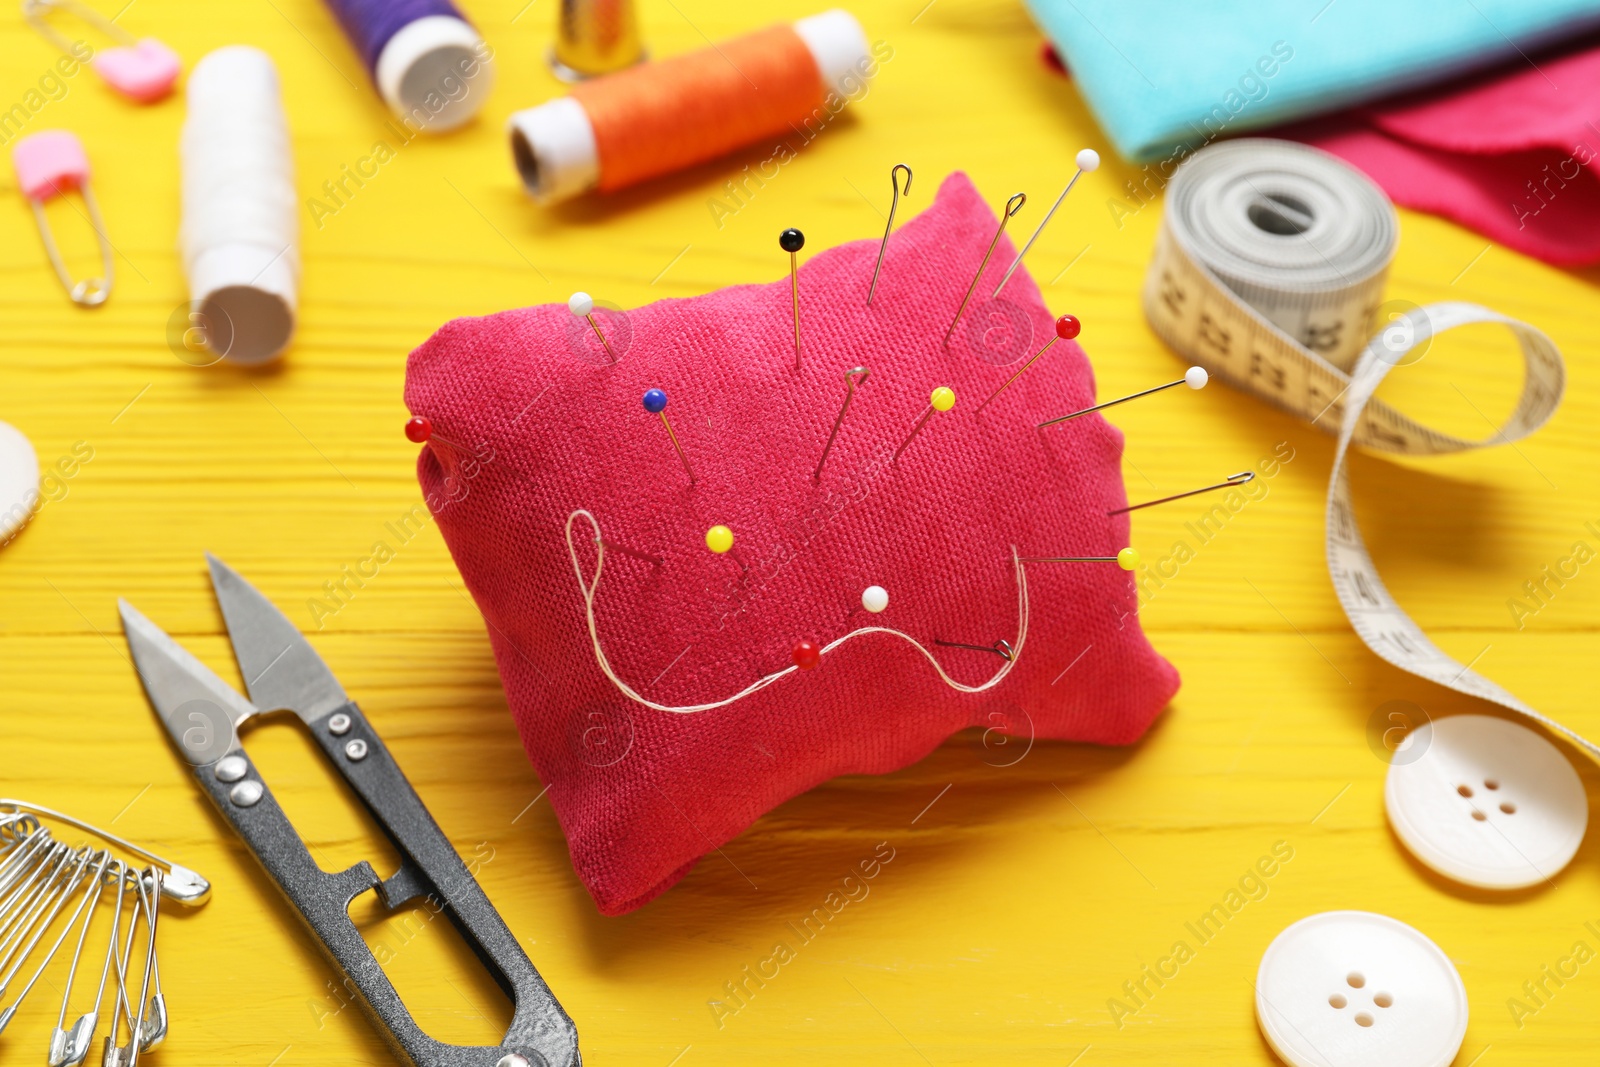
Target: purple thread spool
428 63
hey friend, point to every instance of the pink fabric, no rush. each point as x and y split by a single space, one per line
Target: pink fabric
643 794
1511 154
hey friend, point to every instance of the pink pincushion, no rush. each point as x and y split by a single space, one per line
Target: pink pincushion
644 793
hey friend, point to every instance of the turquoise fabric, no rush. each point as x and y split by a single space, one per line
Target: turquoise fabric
1166 77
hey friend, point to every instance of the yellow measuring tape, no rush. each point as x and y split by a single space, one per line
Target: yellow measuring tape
1269 272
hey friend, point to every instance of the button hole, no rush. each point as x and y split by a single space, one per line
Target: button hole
1383 1000
1337 1000
1363 1019
1464 789
1491 783
1509 808
1480 816
1356 979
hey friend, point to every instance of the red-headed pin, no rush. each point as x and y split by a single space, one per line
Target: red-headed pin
1067 327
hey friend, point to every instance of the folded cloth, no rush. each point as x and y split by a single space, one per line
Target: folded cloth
1512 154
533 422
1169 77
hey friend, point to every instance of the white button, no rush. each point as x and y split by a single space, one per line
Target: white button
1488 803
1355 989
19 481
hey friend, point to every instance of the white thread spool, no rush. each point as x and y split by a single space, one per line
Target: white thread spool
240 232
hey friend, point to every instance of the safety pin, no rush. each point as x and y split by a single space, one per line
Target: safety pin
10 822
21 901
112 1055
1233 479
58 884
883 247
28 912
141 69
58 900
36 10
68 1047
1013 206
88 898
48 165
1001 648
128 1055
850 383
19 856
179 883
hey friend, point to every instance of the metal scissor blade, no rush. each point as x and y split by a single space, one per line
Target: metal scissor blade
200 710
281 669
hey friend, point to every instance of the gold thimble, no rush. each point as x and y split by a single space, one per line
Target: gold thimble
595 37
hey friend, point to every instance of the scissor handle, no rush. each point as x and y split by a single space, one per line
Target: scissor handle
540 1032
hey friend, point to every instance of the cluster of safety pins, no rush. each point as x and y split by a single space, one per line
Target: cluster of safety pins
875 599
48 887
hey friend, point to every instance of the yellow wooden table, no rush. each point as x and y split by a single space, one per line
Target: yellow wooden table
1022 900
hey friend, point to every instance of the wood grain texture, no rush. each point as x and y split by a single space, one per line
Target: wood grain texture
1021 897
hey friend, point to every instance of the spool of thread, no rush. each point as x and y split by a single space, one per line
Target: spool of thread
427 62
240 231
595 37
653 119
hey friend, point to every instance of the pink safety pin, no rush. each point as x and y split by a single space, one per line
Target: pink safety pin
48 165
141 69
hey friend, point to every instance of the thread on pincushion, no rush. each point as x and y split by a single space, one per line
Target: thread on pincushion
592 589
240 232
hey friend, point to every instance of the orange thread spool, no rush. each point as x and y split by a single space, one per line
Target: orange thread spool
656 119
650 120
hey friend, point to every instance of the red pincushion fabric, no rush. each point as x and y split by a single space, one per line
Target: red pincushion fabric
643 794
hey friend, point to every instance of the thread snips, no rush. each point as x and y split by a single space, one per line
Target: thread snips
202 714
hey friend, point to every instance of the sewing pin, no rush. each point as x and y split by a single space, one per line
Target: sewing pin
1127 559
806 654
655 402
1233 479
419 430
612 546
582 305
1087 160
1001 648
875 598
941 399
1013 206
1194 378
894 181
719 539
1067 327
850 383
792 241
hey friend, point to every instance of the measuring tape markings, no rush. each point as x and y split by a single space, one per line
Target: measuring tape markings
1229 307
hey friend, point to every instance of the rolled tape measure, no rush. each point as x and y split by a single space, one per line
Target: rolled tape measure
1269 272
